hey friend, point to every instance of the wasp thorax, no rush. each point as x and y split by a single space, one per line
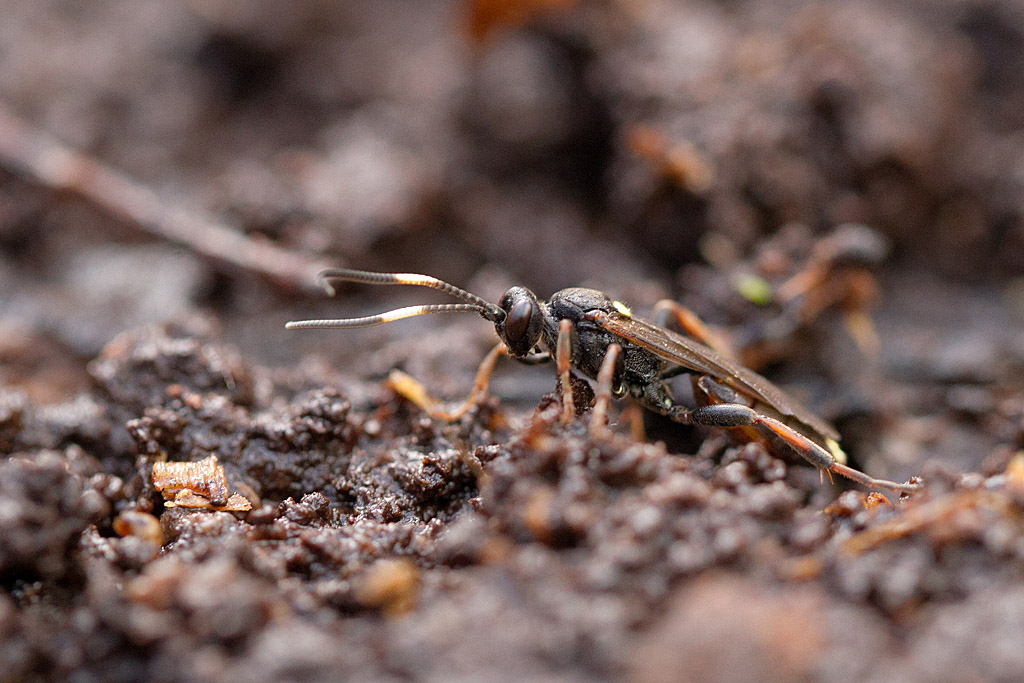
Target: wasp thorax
521 328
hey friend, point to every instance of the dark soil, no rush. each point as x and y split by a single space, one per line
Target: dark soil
715 153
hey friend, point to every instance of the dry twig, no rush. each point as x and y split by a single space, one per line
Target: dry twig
32 152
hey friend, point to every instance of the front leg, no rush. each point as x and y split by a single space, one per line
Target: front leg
414 392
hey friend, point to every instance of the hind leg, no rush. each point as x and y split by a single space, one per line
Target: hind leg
737 415
657 397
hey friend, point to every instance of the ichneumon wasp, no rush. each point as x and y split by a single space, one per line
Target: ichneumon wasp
586 330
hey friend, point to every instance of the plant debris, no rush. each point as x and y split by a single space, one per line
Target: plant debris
197 485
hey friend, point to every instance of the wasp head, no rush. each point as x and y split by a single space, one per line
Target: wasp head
523 321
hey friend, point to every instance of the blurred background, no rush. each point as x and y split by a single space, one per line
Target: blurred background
835 187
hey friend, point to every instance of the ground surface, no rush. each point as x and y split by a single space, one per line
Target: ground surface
710 152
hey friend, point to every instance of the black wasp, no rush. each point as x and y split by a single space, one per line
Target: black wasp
586 330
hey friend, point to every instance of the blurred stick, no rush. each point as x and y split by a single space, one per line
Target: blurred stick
32 152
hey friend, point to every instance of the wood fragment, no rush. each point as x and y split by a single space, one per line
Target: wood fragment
198 485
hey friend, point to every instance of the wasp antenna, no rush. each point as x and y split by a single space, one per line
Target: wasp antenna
486 309
381 318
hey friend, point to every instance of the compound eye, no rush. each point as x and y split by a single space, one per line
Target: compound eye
518 321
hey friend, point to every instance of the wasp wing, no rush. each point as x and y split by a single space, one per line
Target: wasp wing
697 357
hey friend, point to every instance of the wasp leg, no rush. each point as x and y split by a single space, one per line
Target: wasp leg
605 377
655 396
712 391
563 358
716 391
535 358
414 392
736 415
667 311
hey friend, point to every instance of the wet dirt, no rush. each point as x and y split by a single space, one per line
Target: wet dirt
728 156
